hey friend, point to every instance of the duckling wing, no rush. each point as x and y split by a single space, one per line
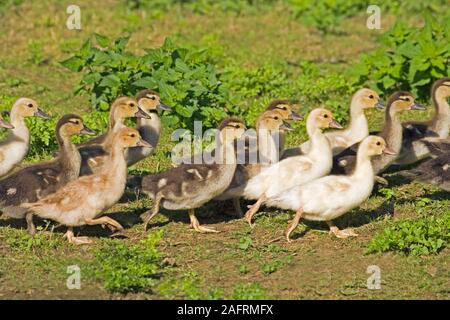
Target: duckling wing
439 147
435 171
30 184
345 161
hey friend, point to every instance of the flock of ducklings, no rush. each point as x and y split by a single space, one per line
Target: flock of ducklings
322 179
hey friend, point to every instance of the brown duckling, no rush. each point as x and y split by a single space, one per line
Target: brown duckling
81 201
392 133
95 151
36 181
437 127
436 170
14 149
149 128
189 186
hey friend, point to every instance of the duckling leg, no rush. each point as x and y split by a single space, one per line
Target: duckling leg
153 212
111 223
342 234
31 228
196 225
293 224
237 207
254 209
76 240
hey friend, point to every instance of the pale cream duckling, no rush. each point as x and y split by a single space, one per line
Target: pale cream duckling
189 186
94 152
149 128
80 202
258 154
14 149
329 197
357 130
413 148
295 170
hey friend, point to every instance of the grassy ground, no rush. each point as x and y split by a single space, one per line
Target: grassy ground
238 262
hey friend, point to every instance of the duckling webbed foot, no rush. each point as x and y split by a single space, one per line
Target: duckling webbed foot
112 224
254 209
341 234
293 224
196 225
381 180
76 240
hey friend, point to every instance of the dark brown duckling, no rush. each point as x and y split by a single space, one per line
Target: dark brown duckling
36 181
345 162
415 131
436 170
189 186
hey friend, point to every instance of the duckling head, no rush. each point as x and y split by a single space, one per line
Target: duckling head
5 124
272 120
25 107
367 99
402 101
72 124
150 101
285 109
126 107
231 129
322 118
375 146
441 88
129 137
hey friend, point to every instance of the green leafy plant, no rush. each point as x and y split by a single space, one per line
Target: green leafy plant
184 77
129 268
417 237
248 291
408 59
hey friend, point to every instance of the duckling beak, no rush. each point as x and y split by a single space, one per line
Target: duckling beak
335 125
295 116
88 131
380 105
5 124
164 107
286 126
389 151
417 106
41 114
142 114
143 143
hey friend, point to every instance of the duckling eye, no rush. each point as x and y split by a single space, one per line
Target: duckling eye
325 116
407 99
378 143
276 118
30 105
153 97
237 126
371 96
132 135
132 104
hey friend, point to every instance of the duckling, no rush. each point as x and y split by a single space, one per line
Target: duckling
5 124
81 201
436 170
286 112
329 197
345 162
189 186
295 170
36 181
259 154
95 151
149 128
14 149
357 130
414 131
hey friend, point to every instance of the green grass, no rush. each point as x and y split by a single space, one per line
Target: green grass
264 54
